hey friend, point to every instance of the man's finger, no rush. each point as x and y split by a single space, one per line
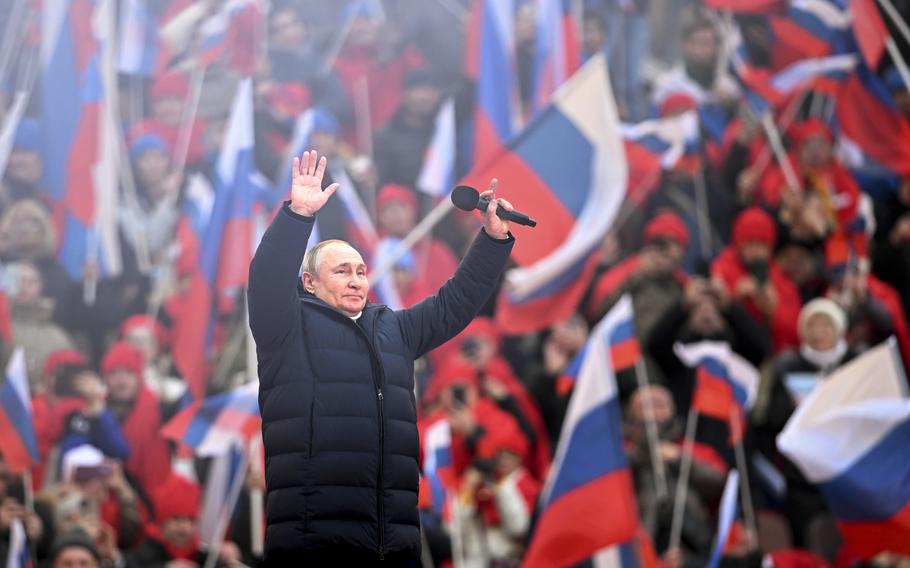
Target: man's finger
295 168
304 163
505 204
329 191
320 169
314 159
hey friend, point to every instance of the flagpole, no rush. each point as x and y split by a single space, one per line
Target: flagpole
425 226
221 526
685 468
745 490
777 146
11 35
899 61
657 462
362 116
896 19
702 213
256 495
188 120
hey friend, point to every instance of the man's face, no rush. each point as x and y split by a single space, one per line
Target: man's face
179 531
122 385
340 280
660 401
422 100
152 166
816 152
700 48
751 251
75 557
593 35
143 339
168 110
397 218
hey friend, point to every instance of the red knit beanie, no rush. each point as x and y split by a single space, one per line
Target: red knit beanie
454 372
123 356
176 497
754 224
667 225
482 327
506 437
394 193
140 321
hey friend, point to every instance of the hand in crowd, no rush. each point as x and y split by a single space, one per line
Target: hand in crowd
179 563
900 234
494 388
11 510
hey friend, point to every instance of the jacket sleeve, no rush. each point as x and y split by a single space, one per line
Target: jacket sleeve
272 292
438 318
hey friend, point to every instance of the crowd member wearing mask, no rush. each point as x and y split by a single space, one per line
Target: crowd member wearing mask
750 275
822 349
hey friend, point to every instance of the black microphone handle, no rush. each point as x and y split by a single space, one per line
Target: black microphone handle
513 216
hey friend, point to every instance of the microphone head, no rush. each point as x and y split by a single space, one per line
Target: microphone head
465 197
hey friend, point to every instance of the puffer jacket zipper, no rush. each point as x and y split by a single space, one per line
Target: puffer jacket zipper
378 380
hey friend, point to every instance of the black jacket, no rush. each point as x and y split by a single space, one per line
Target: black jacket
337 400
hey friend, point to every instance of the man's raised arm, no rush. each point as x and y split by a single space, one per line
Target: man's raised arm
272 292
441 317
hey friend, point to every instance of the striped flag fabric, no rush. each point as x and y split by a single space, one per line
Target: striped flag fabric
438 172
726 384
623 344
870 31
18 442
568 170
590 473
212 426
490 63
138 51
849 437
77 43
725 517
18 555
557 51
216 232
437 464
218 501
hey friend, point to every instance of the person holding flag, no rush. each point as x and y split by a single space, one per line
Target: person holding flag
336 383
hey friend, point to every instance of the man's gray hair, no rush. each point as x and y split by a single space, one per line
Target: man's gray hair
313 257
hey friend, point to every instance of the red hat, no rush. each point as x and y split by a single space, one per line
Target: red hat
796 558
455 371
391 192
173 84
667 225
482 326
754 224
176 497
145 321
802 132
123 356
62 357
505 437
289 99
677 102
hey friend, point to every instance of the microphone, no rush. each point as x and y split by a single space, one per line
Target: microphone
467 198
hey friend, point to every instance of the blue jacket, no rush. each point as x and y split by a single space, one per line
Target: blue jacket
337 400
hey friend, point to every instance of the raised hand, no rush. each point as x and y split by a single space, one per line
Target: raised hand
494 226
307 195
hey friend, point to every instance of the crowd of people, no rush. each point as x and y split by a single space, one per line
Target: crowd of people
798 283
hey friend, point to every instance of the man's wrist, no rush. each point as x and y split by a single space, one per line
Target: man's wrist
503 237
297 212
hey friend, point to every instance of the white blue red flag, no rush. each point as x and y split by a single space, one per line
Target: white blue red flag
849 436
214 425
18 442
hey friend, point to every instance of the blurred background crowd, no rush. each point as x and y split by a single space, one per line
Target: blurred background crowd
779 224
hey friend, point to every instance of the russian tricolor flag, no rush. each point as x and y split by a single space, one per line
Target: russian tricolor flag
490 62
557 51
77 146
867 114
216 234
437 463
726 384
567 170
588 501
623 345
669 139
850 436
17 432
138 39
18 555
438 171
636 553
214 425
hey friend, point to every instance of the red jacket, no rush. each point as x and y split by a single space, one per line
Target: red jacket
150 460
783 322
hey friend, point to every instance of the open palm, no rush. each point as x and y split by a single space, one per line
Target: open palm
307 195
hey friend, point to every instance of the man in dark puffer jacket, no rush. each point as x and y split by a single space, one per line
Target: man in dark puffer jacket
336 384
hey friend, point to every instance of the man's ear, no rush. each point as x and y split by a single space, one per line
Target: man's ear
308 283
